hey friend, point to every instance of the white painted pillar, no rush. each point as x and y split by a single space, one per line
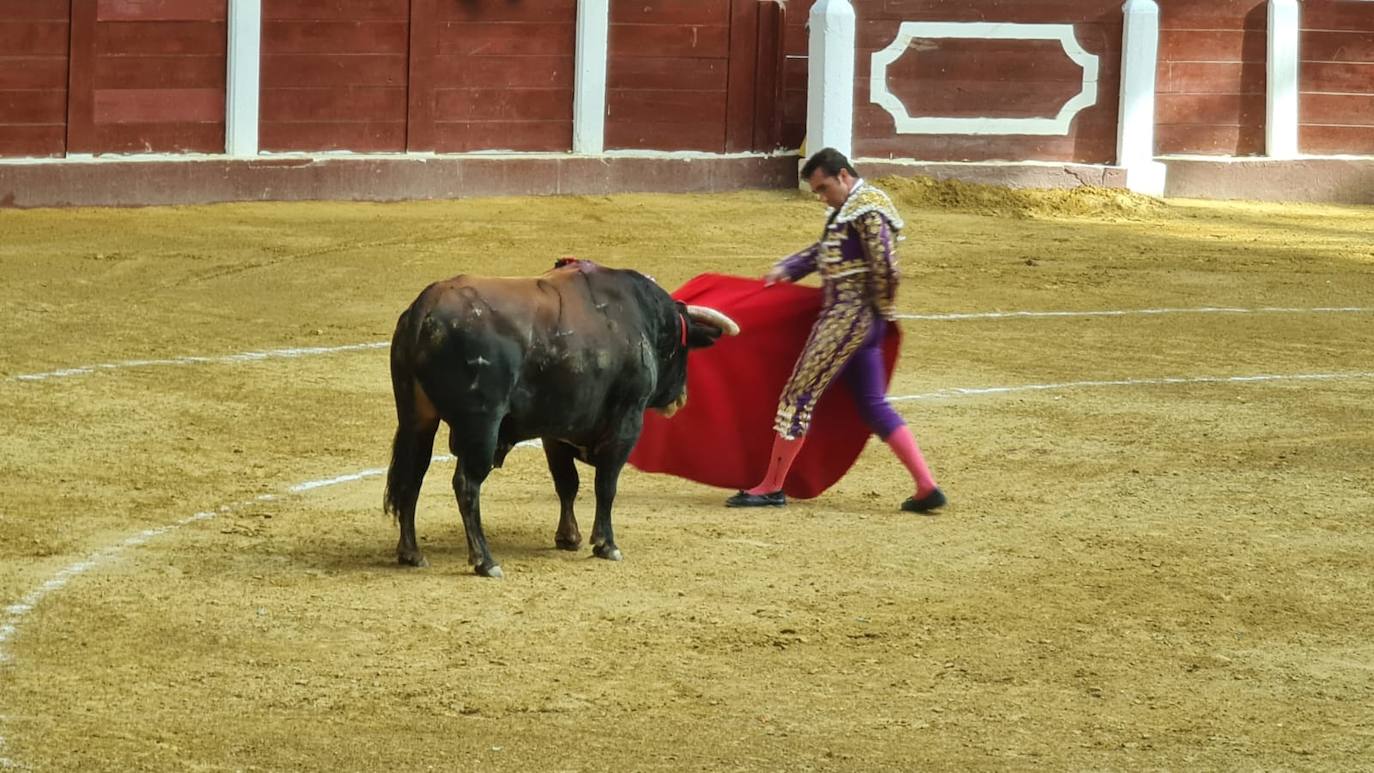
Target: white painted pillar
1135 138
830 77
241 87
589 84
1281 115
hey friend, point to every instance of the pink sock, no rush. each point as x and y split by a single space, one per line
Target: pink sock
903 444
779 462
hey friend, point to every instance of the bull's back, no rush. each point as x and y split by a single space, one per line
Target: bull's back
542 352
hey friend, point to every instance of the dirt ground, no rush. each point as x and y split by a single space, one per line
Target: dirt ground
1133 573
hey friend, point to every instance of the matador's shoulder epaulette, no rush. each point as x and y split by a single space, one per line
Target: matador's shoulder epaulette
869 199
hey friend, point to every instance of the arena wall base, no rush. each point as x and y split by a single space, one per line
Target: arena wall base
1022 174
1331 179
134 181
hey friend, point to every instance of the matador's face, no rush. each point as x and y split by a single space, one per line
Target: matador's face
831 189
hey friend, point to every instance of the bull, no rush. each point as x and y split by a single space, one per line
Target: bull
573 357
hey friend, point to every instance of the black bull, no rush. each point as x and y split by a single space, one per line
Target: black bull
573 357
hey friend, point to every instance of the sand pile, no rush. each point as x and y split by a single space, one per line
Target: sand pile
911 193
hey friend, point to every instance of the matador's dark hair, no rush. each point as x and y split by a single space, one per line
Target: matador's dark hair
828 160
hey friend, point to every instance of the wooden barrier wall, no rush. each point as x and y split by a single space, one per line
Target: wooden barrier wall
492 74
333 75
138 76
1337 77
147 76
33 77
1211 78
694 75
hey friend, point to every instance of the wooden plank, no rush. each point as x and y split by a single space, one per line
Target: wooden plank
492 11
768 78
1004 60
1337 47
1215 15
651 106
503 104
1212 46
28 106
1337 77
960 97
1212 77
698 41
1332 140
20 72
707 136
1345 15
33 140
796 40
1207 139
161 72
161 10
161 138
742 68
154 106
524 136
349 104
359 136
333 38
161 37
1337 109
515 71
506 38
1224 109
290 70
675 12
633 72
335 10
1101 39
81 136
35 10
34 38
420 76
1039 11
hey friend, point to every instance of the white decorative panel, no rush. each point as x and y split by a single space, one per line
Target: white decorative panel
909 30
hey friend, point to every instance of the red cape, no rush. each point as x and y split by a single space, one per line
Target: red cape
724 434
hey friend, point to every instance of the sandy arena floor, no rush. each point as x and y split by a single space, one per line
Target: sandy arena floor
1151 560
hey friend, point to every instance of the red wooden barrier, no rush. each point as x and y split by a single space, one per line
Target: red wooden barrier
147 76
33 77
1337 86
982 78
334 75
1211 87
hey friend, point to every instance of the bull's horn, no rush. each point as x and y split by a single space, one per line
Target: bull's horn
709 316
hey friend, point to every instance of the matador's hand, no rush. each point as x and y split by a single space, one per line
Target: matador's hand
775 274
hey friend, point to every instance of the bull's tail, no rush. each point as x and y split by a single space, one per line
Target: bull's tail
416 424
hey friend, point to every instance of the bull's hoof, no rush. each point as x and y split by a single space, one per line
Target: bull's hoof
563 543
411 559
493 571
608 552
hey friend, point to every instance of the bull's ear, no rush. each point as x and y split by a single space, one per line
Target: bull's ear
700 336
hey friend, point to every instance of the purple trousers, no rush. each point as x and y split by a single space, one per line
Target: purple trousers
867 379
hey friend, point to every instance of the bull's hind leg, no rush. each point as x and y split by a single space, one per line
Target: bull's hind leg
565 482
410 457
475 458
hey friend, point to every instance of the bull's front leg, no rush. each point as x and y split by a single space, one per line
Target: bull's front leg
565 482
607 478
